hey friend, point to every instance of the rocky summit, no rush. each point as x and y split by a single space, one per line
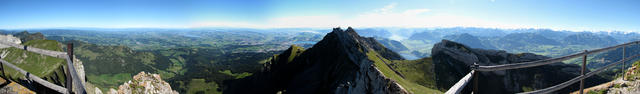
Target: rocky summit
339 64
144 83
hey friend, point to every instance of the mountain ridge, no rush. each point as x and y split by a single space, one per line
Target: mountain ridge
343 62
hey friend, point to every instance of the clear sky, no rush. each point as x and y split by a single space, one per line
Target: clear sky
593 15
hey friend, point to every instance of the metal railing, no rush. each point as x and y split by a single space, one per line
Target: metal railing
457 88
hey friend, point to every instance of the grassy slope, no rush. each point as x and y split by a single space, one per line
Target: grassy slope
101 63
45 44
106 81
43 66
177 66
419 71
201 86
410 86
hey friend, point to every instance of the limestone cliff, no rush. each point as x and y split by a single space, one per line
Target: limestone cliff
9 38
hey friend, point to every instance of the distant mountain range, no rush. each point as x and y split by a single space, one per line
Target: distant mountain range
342 61
540 41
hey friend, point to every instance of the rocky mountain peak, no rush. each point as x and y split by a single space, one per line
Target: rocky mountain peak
350 39
144 83
339 63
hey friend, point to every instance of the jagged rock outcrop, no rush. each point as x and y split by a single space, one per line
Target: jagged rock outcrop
9 38
10 87
338 64
144 83
453 60
630 84
624 87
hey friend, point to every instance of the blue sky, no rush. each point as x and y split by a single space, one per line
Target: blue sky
577 15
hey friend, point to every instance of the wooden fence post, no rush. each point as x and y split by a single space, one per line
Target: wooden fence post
584 64
475 78
2 69
623 50
69 80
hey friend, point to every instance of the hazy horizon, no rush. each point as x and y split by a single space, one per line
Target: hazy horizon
574 15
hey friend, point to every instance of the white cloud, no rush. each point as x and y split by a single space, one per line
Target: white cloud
415 11
226 24
309 31
305 21
387 8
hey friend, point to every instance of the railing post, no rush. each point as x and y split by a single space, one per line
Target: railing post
2 69
623 50
68 78
584 64
475 78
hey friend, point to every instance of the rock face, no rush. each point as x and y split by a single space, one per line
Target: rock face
10 87
338 64
9 38
144 83
631 84
453 60
625 87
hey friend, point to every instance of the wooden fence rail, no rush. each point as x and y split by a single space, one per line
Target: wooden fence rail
548 61
73 80
34 78
576 79
456 89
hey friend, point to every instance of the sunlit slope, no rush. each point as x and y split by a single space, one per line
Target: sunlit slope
46 67
412 74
